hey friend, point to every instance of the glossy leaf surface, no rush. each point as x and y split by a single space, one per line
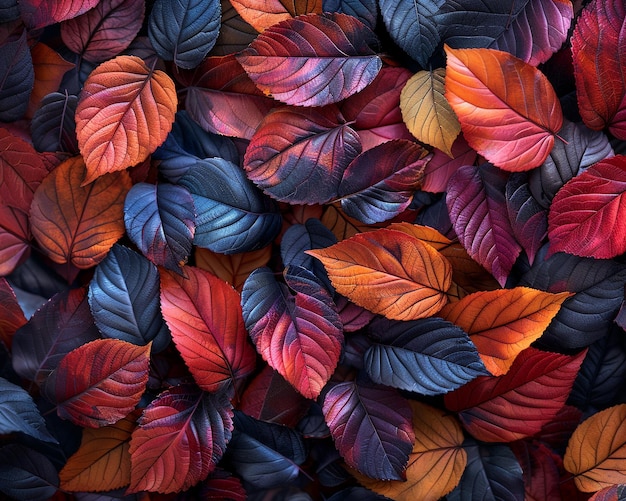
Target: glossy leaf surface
17 76
262 15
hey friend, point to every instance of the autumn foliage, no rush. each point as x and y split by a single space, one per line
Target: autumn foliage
317 249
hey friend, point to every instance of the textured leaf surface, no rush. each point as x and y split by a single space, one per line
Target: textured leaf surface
50 68
26 473
595 450
232 268
518 404
295 326
11 317
262 15
371 427
235 33
203 314
181 436
15 238
389 273
100 382
365 11
487 88
442 166
17 76
53 125
502 323
125 111
75 223
37 14
313 60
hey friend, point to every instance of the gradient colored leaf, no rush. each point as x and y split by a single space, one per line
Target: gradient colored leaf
426 111
11 315
517 404
104 31
37 13
160 220
585 215
15 239
502 323
50 68
379 183
612 493
262 15
295 326
365 11
26 473
371 427
102 462
124 298
235 33
389 273
100 382
203 315
298 155
598 59
53 126
184 31
442 166
487 88
221 484
17 77
74 223
125 111
436 462
232 268
181 436
313 60
595 450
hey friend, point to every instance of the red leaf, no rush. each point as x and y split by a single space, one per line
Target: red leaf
204 315
181 436
100 382
518 404
540 467
11 315
14 239
587 214
313 60
40 13
441 166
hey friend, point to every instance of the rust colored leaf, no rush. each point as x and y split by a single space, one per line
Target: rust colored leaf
125 111
232 268
75 223
262 14
388 272
49 70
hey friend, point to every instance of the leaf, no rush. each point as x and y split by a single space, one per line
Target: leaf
17 76
50 68
100 382
595 450
584 215
477 209
26 473
61 325
125 111
182 434
371 428
20 414
204 317
235 33
11 315
15 239
503 323
412 26
37 14
428 356
299 238
600 86
519 403
487 88
223 484
295 326
124 298
612 493
541 470
379 183
290 62
342 225
436 462
365 11
78 224
299 155
184 32
441 166
426 111
53 126
102 462
105 31
389 273
262 15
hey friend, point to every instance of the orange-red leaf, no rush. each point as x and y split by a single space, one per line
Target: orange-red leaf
261 14
388 272
232 268
125 111
74 223
49 70
596 450
508 110
502 323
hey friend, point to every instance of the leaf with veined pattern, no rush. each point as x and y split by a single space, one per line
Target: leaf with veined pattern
15 238
232 268
37 13
50 68
262 15
53 126
17 77
11 315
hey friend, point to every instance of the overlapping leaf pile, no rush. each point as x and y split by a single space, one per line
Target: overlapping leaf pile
332 249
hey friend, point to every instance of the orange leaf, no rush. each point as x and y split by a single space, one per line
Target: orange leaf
261 14
232 268
388 272
125 111
78 224
508 110
102 462
49 70
436 462
596 450
502 323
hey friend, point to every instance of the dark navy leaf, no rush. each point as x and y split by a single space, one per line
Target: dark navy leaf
232 214
356 494
9 11
184 31
26 474
53 126
160 220
124 299
365 11
430 356
17 77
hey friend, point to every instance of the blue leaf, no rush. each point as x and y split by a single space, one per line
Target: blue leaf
365 11
184 31
160 220
26 474
17 77
9 11
124 299
232 214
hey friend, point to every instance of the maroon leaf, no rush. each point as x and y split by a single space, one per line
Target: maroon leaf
15 238
540 467
11 315
441 167
37 13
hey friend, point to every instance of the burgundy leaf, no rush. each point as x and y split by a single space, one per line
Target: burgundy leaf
15 238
